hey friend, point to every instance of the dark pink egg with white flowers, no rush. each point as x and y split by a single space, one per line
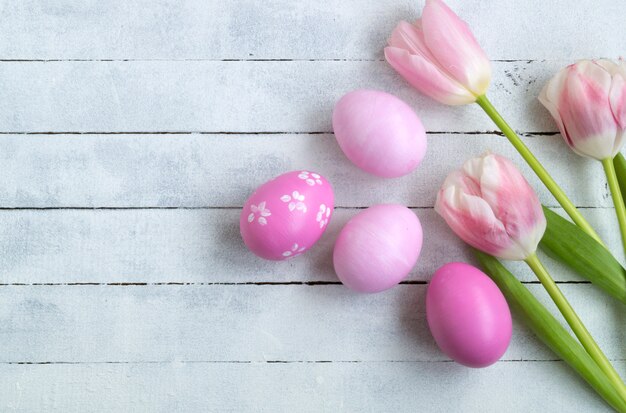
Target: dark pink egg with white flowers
284 217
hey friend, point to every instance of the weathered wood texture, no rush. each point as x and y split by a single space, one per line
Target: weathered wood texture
132 131
223 170
296 387
158 323
239 96
283 29
198 246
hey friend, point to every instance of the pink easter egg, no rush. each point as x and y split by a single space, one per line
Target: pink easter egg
379 133
468 315
377 248
285 216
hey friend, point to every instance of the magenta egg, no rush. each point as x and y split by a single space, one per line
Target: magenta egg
285 216
377 248
468 315
379 133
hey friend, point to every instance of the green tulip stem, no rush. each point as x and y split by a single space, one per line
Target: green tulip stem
537 167
616 193
576 324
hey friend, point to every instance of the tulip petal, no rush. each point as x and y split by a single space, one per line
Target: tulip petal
490 205
585 110
511 198
588 102
620 138
411 38
549 97
513 201
427 78
554 88
608 65
617 99
471 218
450 40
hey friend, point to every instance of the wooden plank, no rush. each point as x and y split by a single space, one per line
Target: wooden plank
319 387
243 29
236 96
222 171
199 246
259 323
250 346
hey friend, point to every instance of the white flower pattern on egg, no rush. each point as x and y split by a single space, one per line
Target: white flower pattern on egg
311 178
282 212
296 201
262 211
294 251
323 215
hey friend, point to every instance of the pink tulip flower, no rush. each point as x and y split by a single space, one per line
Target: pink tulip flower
439 56
490 205
588 102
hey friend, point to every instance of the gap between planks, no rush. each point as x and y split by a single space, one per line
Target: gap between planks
486 132
192 208
250 59
275 362
255 283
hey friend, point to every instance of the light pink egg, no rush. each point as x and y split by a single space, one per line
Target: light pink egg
285 216
379 133
377 248
468 315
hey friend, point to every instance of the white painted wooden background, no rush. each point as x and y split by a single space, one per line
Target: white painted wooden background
131 132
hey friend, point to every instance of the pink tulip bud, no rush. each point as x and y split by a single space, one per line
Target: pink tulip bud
588 102
490 205
439 56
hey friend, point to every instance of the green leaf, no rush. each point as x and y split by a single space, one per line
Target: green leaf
549 330
573 247
620 169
